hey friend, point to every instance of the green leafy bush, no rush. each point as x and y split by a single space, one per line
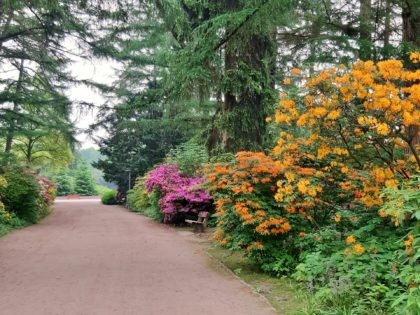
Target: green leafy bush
22 195
108 197
369 264
8 221
139 200
190 157
64 182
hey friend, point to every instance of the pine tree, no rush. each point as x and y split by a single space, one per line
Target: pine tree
64 183
84 183
33 57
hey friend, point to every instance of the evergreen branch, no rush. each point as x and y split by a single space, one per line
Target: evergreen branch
248 18
6 37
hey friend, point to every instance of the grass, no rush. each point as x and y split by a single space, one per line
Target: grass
283 294
4 229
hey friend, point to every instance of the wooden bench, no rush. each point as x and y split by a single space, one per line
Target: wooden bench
201 222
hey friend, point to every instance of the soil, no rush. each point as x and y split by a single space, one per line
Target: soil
87 258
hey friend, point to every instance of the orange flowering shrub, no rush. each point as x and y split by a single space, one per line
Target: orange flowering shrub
348 146
248 217
336 201
351 134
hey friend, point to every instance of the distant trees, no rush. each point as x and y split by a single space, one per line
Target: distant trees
64 183
80 177
84 183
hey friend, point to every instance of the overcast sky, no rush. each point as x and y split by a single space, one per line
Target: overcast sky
102 71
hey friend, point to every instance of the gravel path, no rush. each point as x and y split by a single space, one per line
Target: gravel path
87 258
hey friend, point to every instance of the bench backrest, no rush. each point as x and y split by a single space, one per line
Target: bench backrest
202 216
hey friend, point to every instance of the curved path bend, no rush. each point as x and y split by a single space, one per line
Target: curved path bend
86 258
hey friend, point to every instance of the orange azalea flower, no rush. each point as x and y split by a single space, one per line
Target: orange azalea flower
359 249
350 239
295 71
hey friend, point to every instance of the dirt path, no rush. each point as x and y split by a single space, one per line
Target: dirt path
87 258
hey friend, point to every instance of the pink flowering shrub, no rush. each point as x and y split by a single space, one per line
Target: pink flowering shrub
48 190
178 194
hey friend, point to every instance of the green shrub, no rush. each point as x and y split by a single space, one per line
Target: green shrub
368 264
108 197
8 221
64 183
139 200
190 156
22 195
102 189
153 210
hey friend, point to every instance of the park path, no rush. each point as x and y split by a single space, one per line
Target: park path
86 258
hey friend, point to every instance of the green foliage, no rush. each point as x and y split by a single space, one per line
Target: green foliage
108 197
101 189
403 204
65 178
139 200
64 183
22 196
91 156
84 184
382 276
34 74
189 156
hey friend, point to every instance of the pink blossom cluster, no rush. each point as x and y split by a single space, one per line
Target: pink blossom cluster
47 189
178 193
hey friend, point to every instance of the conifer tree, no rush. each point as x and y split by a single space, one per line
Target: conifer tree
84 183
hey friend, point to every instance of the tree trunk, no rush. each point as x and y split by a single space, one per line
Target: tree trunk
411 35
29 148
387 26
365 30
240 124
411 22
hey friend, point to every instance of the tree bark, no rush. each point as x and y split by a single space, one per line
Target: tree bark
387 26
411 22
365 30
411 35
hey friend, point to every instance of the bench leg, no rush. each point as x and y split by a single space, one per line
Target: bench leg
198 228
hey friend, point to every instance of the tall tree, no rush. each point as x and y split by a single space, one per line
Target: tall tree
145 123
226 51
34 56
84 183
